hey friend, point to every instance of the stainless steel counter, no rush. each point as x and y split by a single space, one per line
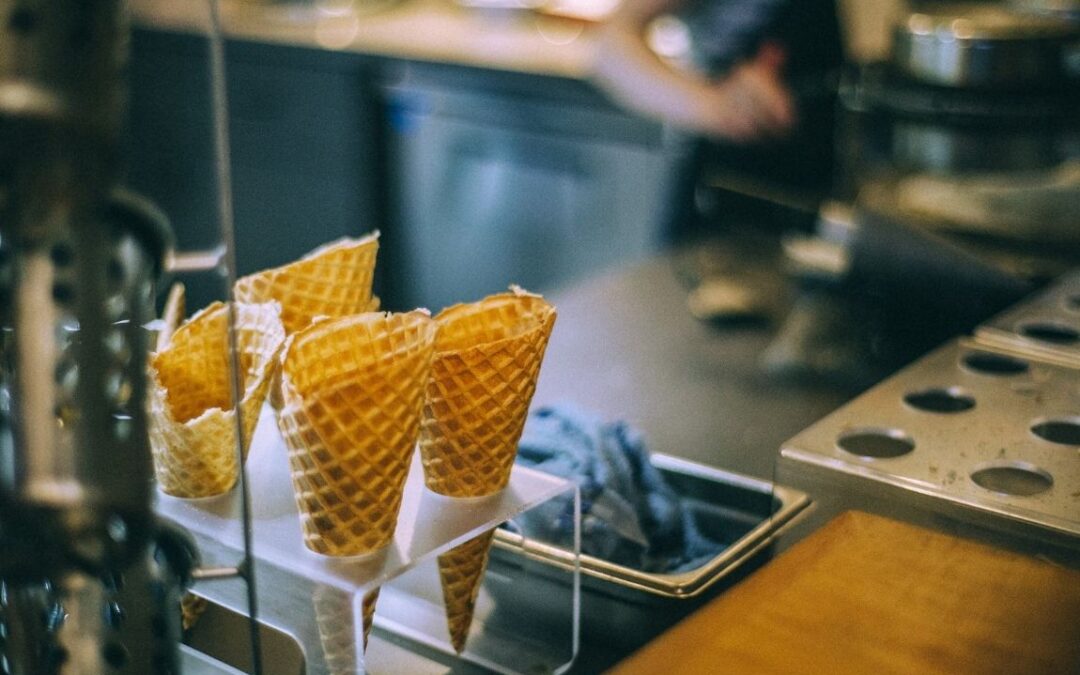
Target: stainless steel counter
626 346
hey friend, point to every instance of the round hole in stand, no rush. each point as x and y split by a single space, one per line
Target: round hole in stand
876 443
1051 332
1072 303
1018 479
940 400
1061 430
994 364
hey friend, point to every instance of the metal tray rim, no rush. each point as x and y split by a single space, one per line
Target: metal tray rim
686 584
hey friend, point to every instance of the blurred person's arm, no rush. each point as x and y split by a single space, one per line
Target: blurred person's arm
749 102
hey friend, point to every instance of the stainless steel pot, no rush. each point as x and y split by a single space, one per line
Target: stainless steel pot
987 46
1065 9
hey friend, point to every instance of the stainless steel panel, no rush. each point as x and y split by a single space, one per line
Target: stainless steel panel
961 428
1045 327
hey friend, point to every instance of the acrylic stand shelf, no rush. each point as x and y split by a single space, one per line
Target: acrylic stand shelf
316 599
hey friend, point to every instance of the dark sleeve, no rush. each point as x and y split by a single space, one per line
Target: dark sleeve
725 32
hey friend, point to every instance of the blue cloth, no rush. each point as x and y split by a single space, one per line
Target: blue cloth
629 515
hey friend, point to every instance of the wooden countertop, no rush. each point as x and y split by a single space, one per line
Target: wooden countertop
869 595
426 30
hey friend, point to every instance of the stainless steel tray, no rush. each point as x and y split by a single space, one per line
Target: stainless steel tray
969 432
1045 327
744 513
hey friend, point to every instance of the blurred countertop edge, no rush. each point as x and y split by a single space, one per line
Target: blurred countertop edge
439 31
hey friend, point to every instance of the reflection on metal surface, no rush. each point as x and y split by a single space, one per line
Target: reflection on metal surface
986 464
876 443
941 400
1045 327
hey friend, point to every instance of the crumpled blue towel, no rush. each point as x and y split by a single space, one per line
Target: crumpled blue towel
629 515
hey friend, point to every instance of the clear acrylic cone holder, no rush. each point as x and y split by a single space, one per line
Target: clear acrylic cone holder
317 600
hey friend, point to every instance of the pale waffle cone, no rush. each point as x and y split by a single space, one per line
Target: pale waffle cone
192 421
352 391
333 280
487 359
172 315
334 619
461 569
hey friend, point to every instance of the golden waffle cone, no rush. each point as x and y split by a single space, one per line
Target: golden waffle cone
461 569
334 619
192 423
191 608
333 281
487 359
352 391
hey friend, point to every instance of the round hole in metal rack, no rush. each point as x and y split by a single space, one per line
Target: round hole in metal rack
876 443
1050 332
1018 479
1072 303
994 364
1060 430
946 400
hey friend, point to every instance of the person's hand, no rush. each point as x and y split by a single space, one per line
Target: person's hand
750 103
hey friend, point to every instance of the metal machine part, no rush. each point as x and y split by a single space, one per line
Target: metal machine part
986 45
77 272
75 477
82 590
121 622
1046 327
973 434
1065 9
968 88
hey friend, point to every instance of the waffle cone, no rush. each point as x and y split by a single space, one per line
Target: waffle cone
461 570
191 608
333 281
192 420
487 359
334 619
352 390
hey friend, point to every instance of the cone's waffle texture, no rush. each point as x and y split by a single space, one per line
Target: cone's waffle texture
334 619
461 569
487 359
333 280
352 391
192 421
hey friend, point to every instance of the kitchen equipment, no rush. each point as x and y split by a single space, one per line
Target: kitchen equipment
1064 9
623 608
744 513
969 435
89 579
986 46
865 594
972 87
1045 327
